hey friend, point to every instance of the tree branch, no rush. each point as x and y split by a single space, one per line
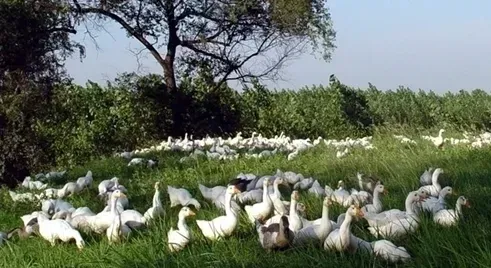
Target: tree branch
124 24
62 29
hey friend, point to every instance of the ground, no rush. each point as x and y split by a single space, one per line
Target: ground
398 165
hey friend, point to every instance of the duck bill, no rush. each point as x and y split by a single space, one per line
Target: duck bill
468 204
386 191
360 213
192 213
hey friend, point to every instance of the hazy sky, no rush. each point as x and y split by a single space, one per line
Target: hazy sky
442 45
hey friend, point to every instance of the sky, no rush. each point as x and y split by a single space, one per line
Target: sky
439 45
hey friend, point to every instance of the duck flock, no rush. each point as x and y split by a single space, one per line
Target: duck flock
279 224
258 146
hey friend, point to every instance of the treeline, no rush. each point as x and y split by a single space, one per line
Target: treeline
95 120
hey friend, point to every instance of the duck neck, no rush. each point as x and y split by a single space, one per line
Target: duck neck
266 198
458 208
114 202
441 196
409 204
344 230
293 207
156 199
325 216
376 200
434 180
277 192
228 206
181 224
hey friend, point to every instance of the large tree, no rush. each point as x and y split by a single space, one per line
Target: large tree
236 39
34 41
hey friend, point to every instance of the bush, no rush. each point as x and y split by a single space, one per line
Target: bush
134 111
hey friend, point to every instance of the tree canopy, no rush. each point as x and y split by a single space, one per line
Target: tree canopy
34 38
235 39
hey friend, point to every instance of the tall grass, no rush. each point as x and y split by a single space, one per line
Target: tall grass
398 165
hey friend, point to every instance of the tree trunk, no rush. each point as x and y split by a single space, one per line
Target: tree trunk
170 80
169 74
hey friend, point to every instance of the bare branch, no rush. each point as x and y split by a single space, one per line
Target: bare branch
139 36
62 29
138 53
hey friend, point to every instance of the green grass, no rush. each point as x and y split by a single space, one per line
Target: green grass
398 165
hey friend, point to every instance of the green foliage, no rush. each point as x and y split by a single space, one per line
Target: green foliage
34 42
135 111
91 121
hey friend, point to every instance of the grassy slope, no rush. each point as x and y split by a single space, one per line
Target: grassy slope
467 245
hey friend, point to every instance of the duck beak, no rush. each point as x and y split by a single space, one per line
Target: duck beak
468 204
385 191
360 213
192 213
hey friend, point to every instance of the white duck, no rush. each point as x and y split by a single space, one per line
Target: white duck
304 184
340 239
253 196
279 206
433 204
317 189
70 189
51 206
435 187
33 185
294 218
181 196
213 193
96 223
117 230
53 230
86 180
106 185
367 184
439 140
425 178
136 161
316 233
341 195
450 217
376 206
222 226
382 218
397 223
383 249
390 252
157 209
260 211
178 239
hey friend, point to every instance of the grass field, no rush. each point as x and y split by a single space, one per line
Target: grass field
399 166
